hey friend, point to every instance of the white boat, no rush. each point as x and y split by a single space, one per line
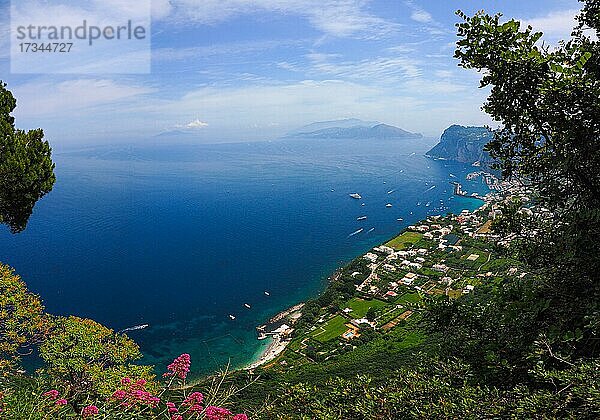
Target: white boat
137 327
390 191
370 230
362 204
267 294
231 317
246 305
355 233
355 196
428 204
400 219
361 218
388 205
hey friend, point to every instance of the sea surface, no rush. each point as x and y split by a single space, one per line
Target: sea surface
179 237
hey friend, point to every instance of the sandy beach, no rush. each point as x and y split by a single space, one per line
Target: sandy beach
275 348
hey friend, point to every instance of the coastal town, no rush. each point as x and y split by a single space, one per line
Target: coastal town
388 288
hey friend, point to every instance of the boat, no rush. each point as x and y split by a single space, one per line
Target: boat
428 204
400 219
267 294
355 196
362 204
361 218
137 327
370 230
390 191
419 203
246 305
356 233
388 205
231 317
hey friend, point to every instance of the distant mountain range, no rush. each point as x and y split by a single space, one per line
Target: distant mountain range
351 129
463 144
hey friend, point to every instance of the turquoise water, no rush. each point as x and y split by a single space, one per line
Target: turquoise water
179 237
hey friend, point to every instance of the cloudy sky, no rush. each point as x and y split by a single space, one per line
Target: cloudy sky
235 70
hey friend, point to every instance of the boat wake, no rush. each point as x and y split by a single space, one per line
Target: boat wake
355 233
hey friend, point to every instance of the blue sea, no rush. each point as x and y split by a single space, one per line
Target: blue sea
181 236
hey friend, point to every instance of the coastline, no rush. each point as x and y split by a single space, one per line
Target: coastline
280 343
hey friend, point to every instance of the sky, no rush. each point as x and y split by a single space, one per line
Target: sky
249 70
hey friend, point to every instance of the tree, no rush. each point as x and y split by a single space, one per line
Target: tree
547 102
90 359
371 314
26 167
22 321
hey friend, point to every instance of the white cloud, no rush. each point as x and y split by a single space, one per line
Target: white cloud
421 16
377 70
340 18
555 25
196 124
74 96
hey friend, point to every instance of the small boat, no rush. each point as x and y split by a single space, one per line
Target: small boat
361 218
362 204
246 305
419 203
400 219
370 230
355 233
355 196
388 205
231 317
390 191
137 327
428 204
267 294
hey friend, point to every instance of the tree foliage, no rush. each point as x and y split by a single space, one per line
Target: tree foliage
26 167
89 358
547 101
22 321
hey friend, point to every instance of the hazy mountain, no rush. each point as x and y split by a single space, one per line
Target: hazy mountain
351 129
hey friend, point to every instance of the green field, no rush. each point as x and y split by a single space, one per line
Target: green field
330 330
409 298
405 240
360 306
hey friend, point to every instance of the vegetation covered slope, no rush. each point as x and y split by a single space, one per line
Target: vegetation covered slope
520 346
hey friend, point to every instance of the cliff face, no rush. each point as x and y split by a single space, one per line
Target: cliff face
463 144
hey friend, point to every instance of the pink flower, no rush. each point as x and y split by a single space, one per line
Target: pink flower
52 394
61 402
125 381
119 394
194 398
196 408
240 417
180 367
89 411
176 417
216 413
171 407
